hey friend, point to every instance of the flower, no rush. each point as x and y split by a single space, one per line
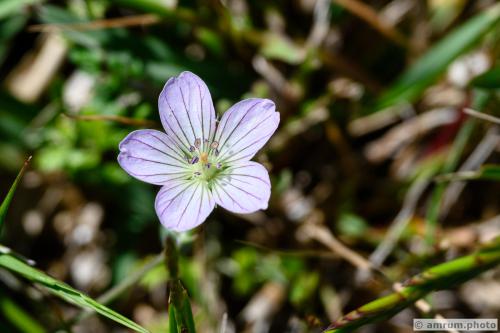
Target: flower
199 163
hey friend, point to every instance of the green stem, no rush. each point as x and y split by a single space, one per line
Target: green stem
179 307
442 276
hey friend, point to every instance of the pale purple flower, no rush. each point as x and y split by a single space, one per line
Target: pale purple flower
198 162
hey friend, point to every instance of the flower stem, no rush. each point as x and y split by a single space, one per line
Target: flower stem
180 315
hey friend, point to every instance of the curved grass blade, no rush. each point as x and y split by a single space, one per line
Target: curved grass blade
433 63
6 202
438 277
63 290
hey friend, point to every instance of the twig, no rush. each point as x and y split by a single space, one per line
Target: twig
321 24
484 149
370 16
118 119
400 222
145 19
321 234
482 115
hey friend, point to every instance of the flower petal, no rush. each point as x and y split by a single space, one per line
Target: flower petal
182 205
151 156
243 188
186 110
245 128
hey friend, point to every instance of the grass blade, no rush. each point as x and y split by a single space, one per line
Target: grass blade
439 277
6 202
432 64
63 290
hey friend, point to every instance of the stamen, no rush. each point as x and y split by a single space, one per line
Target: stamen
192 149
215 144
197 173
194 160
218 166
208 165
204 157
197 142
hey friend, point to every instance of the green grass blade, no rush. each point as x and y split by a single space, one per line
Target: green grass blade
18 317
6 202
63 291
439 277
433 63
172 322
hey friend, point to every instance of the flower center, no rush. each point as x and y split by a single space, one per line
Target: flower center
203 160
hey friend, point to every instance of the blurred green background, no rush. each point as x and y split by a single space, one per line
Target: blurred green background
375 100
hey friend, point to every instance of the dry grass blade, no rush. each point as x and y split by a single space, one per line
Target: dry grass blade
121 22
370 16
118 119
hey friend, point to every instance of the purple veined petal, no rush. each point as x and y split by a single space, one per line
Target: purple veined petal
243 188
245 128
186 110
182 205
152 157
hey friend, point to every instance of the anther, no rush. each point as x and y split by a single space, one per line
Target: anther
197 142
194 160
208 165
215 144
216 152
197 173
192 149
218 165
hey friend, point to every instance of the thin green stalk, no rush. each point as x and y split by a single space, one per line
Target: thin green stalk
6 202
442 276
179 307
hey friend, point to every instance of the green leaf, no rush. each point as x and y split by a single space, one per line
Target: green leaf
62 290
488 80
432 64
6 202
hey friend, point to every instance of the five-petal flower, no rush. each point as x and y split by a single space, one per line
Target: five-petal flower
200 163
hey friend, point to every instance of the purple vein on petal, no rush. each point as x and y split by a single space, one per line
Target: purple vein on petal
170 201
159 150
182 146
168 147
186 109
229 195
178 123
221 145
243 136
242 190
187 206
250 176
200 114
